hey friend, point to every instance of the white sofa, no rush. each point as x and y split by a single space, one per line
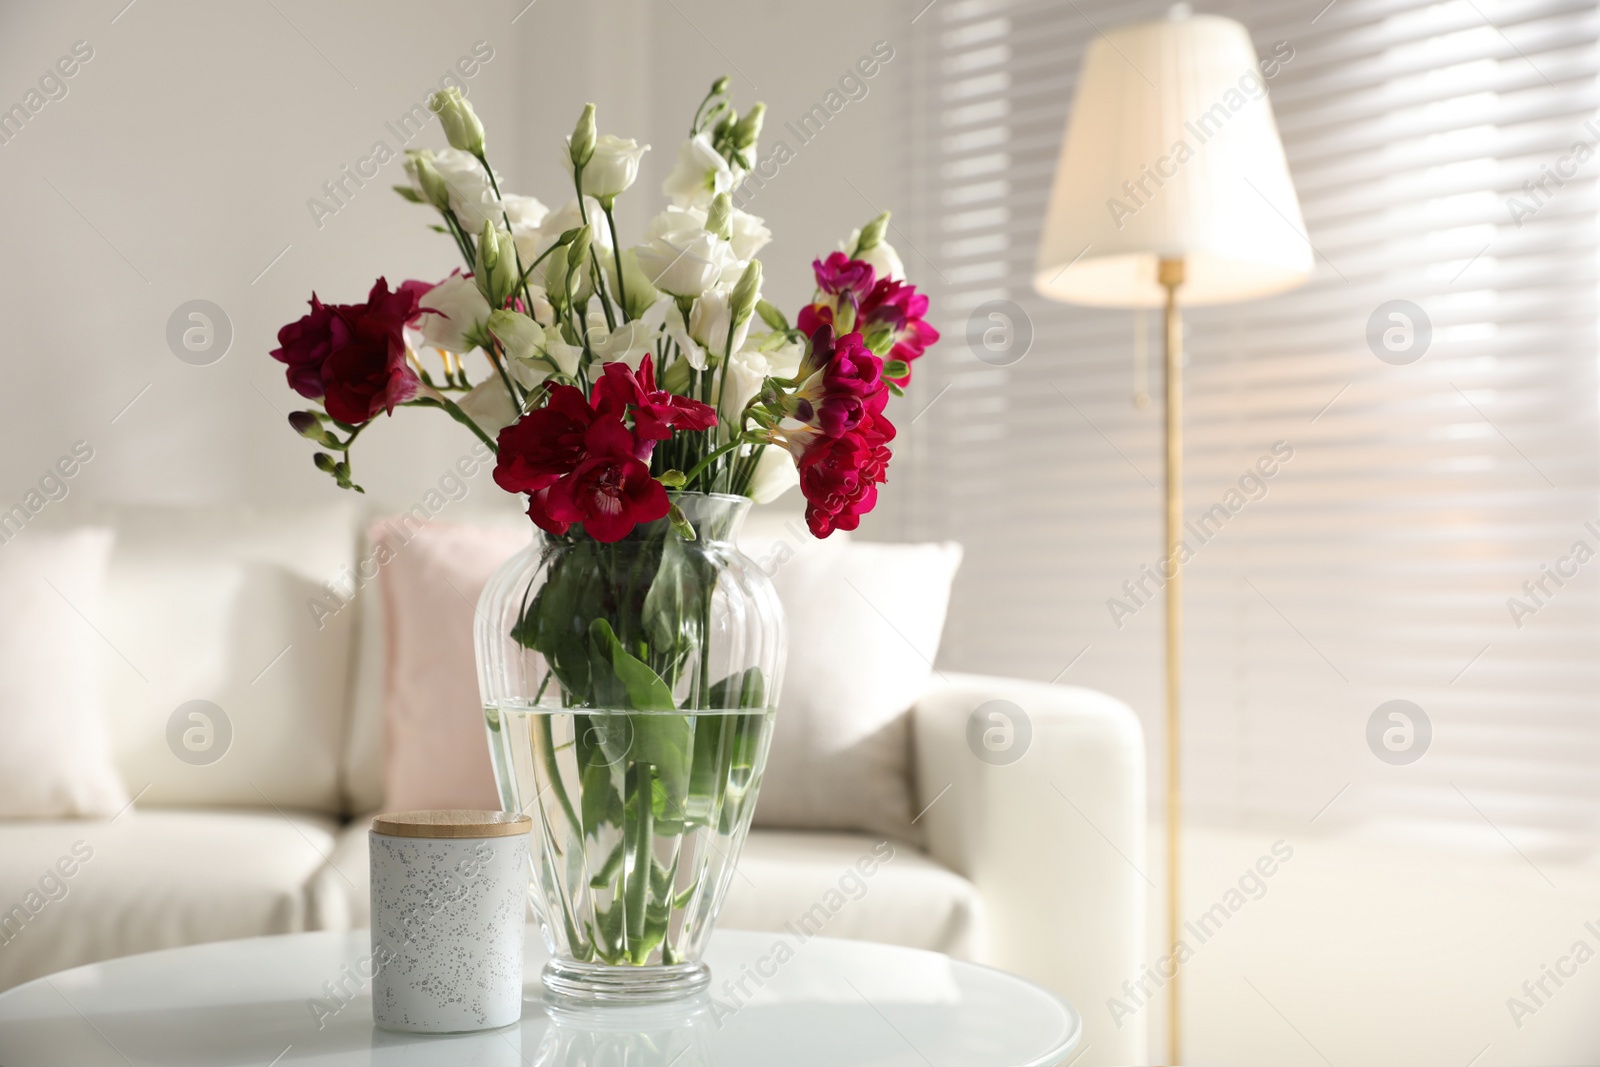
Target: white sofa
1022 866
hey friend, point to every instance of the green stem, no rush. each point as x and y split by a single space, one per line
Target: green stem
522 277
455 412
638 880
517 397
594 260
463 243
616 254
689 478
541 258
727 359
552 770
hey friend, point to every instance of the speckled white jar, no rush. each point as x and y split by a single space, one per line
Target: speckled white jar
449 889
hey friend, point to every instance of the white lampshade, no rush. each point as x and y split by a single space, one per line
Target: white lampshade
1171 152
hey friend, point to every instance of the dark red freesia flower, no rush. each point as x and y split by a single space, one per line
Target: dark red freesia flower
579 462
896 310
656 412
610 491
352 357
545 443
840 475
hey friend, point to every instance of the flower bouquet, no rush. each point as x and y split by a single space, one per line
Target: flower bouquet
630 658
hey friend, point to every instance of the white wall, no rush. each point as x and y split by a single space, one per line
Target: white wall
179 165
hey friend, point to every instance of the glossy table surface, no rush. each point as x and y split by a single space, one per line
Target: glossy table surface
301 999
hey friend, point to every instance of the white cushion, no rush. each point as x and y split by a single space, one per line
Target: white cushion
229 606
896 894
149 880
55 752
864 621
853 886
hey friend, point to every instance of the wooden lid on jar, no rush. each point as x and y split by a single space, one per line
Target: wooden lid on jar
453 822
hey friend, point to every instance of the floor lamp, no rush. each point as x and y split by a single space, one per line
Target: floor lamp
1172 189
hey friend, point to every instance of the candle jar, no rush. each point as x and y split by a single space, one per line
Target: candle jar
449 889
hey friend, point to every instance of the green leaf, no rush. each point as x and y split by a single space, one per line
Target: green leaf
599 798
646 690
675 601
895 389
656 917
722 742
667 809
660 878
661 740
896 368
609 928
410 194
739 690
608 870
708 776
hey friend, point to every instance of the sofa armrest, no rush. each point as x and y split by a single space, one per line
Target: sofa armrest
1054 839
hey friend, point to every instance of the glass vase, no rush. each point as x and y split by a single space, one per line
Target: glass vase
629 691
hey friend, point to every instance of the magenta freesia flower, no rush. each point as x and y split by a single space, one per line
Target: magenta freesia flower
841 382
839 275
897 310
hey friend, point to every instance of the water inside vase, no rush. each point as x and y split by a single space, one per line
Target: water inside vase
638 820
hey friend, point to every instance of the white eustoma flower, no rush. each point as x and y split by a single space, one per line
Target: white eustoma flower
881 257
543 312
629 343
525 214
569 217
636 287
885 261
526 345
471 196
700 174
456 315
490 406
567 357
612 168
775 474
678 330
557 223
710 320
680 257
783 361
750 235
747 372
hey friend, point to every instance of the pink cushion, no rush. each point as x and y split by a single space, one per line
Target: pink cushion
436 754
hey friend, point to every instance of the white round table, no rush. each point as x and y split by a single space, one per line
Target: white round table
305 999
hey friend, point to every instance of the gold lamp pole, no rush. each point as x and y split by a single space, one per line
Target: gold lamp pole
1155 194
1170 274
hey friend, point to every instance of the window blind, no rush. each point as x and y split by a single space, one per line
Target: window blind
1412 506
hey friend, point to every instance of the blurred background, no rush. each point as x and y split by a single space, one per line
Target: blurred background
1413 507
